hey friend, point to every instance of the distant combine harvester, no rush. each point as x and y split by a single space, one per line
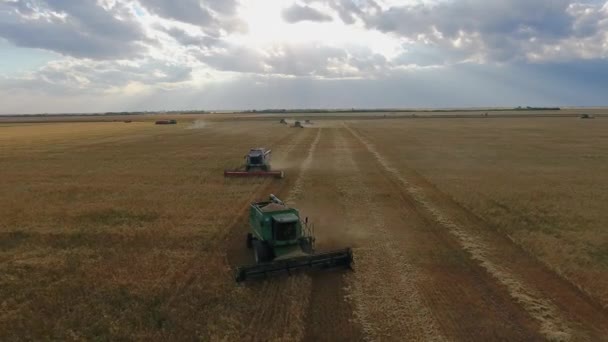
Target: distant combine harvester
166 122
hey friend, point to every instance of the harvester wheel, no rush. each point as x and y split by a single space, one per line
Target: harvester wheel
261 252
249 240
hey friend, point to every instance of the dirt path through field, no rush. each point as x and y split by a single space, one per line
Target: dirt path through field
384 303
329 315
395 291
559 311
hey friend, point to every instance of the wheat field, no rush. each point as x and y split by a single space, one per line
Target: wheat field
463 229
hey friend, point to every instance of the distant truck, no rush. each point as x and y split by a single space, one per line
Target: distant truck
166 122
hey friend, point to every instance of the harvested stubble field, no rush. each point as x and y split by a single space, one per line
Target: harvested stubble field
462 228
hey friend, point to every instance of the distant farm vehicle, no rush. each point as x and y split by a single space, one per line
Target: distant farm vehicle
282 242
586 116
298 124
307 122
283 121
257 164
166 122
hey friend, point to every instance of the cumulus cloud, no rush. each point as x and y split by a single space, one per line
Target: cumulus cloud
189 11
503 29
186 39
464 85
234 58
73 76
119 46
81 29
487 31
347 10
296 13
292 59
213 16
227 7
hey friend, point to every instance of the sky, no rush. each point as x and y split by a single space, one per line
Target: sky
69 56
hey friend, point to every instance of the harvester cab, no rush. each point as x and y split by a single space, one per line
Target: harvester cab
282 242
258 158
257 164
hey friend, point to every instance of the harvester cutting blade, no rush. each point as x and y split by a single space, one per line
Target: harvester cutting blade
342 257
275 174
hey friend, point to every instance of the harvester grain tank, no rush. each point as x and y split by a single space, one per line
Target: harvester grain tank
257 164
282 242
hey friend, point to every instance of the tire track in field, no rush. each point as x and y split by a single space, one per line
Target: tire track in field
330 316
553 325
296 191
467 304
384 287
283 302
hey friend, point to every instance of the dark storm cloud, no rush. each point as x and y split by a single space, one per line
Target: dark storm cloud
76 28
297 13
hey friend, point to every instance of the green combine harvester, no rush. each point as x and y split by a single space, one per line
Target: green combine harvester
282 242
